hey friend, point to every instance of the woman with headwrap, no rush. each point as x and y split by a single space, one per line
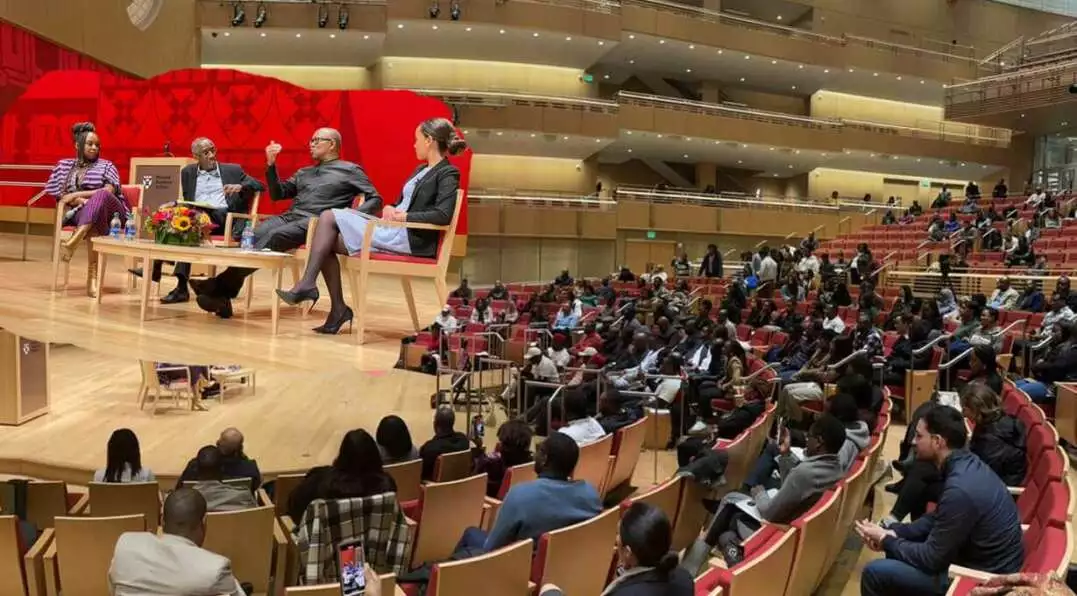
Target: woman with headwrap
87 188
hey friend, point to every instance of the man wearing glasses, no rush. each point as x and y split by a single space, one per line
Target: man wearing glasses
331 183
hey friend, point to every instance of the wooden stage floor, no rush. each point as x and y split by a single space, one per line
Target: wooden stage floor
311 388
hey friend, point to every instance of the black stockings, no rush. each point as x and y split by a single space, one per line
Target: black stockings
324 249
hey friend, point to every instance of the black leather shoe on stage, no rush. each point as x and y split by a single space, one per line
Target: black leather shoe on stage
202 286
176 297
222 307
294 298
137 272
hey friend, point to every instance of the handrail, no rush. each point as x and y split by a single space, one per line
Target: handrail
902 48
463 96
931 344
951 362
724 18
727 110
26 224
552 201
847 359
648 193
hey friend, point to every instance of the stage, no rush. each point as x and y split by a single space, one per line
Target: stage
311 388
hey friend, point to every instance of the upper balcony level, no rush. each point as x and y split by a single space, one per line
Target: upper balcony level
669 119
580 33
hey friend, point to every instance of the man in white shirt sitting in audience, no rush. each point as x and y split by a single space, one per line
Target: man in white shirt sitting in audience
833 322
145 564
1005 296
445 320
582 428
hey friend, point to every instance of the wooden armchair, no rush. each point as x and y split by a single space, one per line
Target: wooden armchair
151 383
665 496
627 448
112 499
252 540
594 463
48 499
227 236
816 527
60 232
282 492
452 466
504 572
403 266
408 477
79 556
578 557
513 476
446 510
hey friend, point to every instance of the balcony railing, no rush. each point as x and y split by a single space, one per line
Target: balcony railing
553 200
713 109
927 48
504 99
1016 90
692 196
599 6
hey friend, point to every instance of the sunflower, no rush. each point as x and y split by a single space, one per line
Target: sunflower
203 219
181 223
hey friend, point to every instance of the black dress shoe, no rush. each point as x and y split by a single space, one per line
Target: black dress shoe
222 307
202 286
137 272
894 487
176 296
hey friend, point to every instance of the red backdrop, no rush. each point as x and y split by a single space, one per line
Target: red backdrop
241 112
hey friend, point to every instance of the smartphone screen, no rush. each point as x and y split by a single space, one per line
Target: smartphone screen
478 428
350 561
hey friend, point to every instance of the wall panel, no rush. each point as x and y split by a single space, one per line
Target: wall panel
471 75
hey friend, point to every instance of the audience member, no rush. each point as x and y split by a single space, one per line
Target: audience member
123 461
394 441
174 562
234 462
548 503
1004 297
1057 364
580 426
975 523
803 482
463 291
356 472
513 448
208 481
712 263
446 439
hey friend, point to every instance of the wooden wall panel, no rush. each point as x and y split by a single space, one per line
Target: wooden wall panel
632 214
483 220
524 221
556 222
596 224
690 218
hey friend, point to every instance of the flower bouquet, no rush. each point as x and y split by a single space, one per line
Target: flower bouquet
180 225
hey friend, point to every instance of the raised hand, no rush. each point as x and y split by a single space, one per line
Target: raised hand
272 151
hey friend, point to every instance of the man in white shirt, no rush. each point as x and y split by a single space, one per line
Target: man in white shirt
768 271
832 321
810 263
146 564
1004 297
582 428
540 366
1036 198
445 320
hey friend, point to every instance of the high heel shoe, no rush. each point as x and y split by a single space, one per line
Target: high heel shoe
294 298
332 326
67 248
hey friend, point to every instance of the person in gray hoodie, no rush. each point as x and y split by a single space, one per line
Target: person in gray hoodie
857 434
803 482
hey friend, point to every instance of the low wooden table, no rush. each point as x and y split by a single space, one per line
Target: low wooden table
149 252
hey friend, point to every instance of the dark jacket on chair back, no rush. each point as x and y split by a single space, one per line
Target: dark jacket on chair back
230 174
1001 444
432 202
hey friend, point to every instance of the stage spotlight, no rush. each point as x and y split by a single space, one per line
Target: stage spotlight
323 16
454 11
238 14
435 9
342 17
261 16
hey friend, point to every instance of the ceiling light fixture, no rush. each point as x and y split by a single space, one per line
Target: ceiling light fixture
262 16
434 27
630 36
686 156
899 77
323 16
850 70
227 34
794 87
826 71
238 14
499 133
691 46
435 9
688 70
742 79
747 57
532 135
501 31
263 34
800 66
921 81
773 61
454 11
343 16
601 43
661 41
568 38
719 52
631 61
534 34
467 29
299 35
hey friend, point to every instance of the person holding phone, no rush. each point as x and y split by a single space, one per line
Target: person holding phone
356 576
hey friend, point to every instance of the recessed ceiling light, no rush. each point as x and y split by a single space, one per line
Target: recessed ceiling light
598 140
227 34
740 161
686 156
628 132
962 164
742 79
691 46
794 87
299 35
899 77
263 34
688 70
534 34
921 81
606 76
467 28
773 61
1022 115
501 31
790 166
630 150
499 133
400 25
660 135
779 17
532 135
775 175
434 27
334 36
688 138
917 160
772 148
568 38
797 151
747 57
630 36
565 137
826 71
874 74
945 86
631 61
800 66
601 43
850 70
719 51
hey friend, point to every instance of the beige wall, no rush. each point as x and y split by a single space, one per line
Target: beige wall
520 172
101 29
849 183
310 77
787 104
831 104
632 171
794 187
475 75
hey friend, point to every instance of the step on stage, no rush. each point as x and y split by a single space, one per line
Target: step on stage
311 388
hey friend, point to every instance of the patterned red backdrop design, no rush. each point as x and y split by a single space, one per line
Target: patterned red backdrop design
241 112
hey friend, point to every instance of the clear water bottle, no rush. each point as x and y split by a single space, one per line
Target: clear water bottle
130 231
114 228
246 241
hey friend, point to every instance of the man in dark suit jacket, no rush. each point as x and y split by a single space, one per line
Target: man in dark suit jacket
219 189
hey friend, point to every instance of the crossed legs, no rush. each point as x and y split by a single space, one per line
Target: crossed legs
324 248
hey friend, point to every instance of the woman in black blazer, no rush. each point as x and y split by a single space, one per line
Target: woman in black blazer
645 565
429 197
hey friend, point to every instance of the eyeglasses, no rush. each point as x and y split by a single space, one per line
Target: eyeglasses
316 140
